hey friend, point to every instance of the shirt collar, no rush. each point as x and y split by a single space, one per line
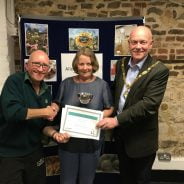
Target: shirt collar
139 64
43 84
27 77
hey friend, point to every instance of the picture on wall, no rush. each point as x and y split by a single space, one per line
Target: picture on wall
52 165
108 163
52 74
113 69
36 37
122 33
83 37
25 61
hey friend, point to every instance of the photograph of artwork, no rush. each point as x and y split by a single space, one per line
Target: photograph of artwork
36 37
113 69
83 37
25 61
122 33
108 163
66 65
52 74
52 165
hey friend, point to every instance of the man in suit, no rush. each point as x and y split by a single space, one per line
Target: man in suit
140 84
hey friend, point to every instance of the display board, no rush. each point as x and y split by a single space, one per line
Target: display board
62 37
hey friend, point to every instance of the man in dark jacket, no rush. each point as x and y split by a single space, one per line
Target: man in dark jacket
140 84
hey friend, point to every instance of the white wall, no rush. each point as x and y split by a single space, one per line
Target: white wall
6 45
176 163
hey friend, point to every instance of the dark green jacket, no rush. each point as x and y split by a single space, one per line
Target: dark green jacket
138 129
20 137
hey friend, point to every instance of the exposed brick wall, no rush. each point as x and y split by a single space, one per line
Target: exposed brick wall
166 19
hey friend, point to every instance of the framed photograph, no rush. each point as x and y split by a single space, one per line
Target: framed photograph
122 33
108 163
52 74
52 165
83 37
25 61
36 37
113 69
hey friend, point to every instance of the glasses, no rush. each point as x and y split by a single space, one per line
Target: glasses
134 42
38 65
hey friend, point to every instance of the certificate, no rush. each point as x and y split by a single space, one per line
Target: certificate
80 122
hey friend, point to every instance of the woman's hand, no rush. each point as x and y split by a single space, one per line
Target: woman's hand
61 137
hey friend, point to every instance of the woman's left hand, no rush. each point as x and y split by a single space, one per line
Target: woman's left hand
61 137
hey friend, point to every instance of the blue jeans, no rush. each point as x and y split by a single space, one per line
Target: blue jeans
79 167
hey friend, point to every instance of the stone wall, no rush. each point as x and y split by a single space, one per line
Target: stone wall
172 112
166 19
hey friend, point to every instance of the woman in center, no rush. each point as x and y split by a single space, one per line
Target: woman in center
79 156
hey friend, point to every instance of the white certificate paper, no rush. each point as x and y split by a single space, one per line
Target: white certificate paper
80 122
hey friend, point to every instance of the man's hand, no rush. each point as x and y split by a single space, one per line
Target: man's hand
107 123
47 113
50 113
55 107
